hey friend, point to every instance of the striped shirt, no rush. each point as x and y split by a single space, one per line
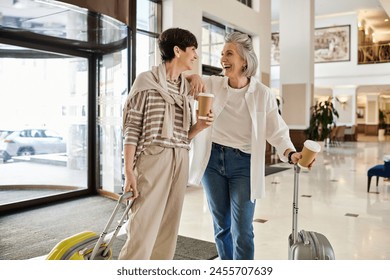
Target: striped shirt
144 121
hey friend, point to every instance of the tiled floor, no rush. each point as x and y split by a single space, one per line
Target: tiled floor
333 201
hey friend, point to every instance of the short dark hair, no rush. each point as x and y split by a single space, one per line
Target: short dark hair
175 37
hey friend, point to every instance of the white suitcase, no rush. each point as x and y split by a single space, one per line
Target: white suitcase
306 245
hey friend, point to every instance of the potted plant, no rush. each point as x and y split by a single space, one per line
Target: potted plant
382 125
321 120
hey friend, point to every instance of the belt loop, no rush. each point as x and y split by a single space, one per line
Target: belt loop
218 146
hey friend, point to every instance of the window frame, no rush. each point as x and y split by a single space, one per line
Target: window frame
151 34
208 69
246 2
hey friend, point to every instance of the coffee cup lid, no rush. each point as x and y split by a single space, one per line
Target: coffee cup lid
312 145
206 94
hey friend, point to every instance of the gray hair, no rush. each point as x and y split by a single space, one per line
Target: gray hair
245 50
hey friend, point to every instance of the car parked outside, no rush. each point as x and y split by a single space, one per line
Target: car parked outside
4 133
31 142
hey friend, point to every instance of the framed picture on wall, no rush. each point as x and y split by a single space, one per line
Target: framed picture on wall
360 112
332 44
275 52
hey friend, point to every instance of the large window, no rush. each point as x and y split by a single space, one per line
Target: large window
44 111
63 78
148 30
213 34
246 2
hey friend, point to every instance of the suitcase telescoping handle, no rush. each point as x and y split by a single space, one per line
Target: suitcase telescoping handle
121 199
297 169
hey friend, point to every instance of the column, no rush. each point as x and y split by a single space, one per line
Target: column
296 25
372 114
263 41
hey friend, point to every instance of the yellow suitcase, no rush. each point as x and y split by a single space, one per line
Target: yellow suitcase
88 245
78 247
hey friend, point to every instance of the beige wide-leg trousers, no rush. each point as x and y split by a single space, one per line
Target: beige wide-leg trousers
162 175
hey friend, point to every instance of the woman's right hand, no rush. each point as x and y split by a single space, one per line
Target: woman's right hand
131 184
200 125
196 84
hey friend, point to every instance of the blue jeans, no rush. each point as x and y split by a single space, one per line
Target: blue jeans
227 186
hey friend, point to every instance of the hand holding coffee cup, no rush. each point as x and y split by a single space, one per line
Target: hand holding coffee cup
205 103
308 153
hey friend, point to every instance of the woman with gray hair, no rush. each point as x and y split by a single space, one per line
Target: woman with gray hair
229 156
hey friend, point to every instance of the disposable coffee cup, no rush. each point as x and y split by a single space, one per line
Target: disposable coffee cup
205 102
309 152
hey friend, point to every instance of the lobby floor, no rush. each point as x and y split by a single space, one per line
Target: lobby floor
333 200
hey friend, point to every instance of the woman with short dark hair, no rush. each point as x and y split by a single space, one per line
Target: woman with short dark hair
157 128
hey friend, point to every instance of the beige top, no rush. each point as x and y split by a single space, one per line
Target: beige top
157 112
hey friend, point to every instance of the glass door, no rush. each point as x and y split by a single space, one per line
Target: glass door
63 77
43 123
112 96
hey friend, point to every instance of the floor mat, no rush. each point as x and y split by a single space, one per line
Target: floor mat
274 169
33 234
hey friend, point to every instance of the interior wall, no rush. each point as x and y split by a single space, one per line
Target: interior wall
345 104
342 73
346 74
188 14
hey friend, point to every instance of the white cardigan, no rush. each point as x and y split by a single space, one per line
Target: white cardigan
267 125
